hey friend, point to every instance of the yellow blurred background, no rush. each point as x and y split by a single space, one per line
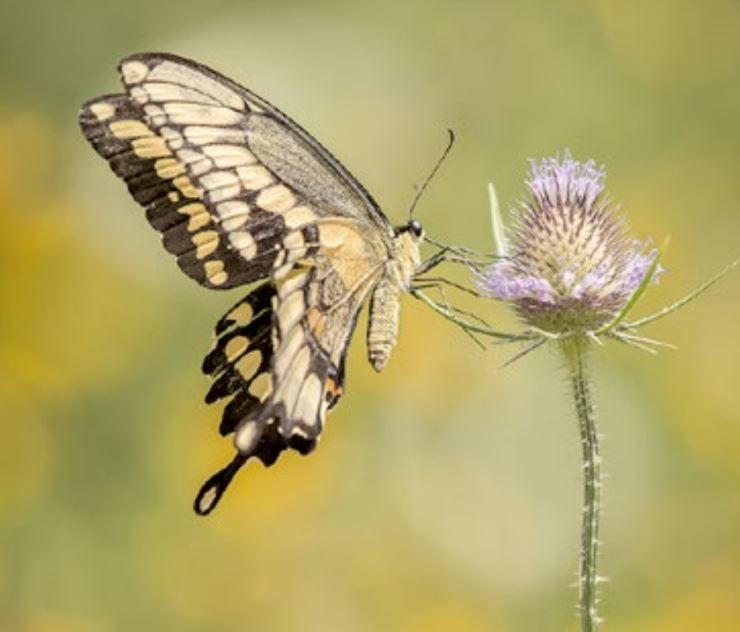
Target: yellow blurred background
445 494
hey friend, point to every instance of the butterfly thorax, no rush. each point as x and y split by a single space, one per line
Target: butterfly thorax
385 302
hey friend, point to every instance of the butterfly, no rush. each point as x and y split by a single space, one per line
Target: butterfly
243 195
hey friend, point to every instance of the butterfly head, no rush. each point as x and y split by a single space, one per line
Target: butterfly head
414 229
407 241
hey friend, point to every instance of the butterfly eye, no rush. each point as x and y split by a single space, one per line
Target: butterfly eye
415 228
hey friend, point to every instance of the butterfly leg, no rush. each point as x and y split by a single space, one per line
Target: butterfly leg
450 311
440 281
450 255
433 261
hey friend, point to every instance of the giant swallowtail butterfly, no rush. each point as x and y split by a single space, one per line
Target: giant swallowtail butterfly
242 195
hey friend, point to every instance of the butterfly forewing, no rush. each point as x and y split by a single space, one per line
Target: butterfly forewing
165 82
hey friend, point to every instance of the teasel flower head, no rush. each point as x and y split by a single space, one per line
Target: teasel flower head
570 265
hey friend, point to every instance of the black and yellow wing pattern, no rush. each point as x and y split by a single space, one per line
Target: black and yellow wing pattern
241 194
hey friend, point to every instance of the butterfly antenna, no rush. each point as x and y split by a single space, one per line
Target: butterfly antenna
423 187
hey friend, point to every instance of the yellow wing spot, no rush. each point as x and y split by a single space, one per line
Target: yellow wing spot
134 71
173 137
215 272
198 163
173 196
202 166
233 214
150 147
248 365
299 216
244 243
277 199
293 380
261 386
293 282
186 187
208 498
254 178
139 94
280 258
282 271
221 185
102 111
287 350
168 168
198 214
246 436
294 240
307 406
233 224
173 72
206 242
156 114
241 314
290 312
295 247
226 156
235 347
219 180
204 135
161 91
332 235
189 156
199 114
129 129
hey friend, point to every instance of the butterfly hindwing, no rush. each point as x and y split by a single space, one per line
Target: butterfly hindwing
313 311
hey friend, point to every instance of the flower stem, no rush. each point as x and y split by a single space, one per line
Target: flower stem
588 579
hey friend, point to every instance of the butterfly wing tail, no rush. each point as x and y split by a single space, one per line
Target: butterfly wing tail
213 489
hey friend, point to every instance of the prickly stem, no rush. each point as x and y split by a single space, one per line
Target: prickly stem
575 350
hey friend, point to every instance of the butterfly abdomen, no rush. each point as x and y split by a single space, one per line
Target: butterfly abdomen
385 302
382 329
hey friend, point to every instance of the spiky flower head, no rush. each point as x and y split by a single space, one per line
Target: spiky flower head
570 263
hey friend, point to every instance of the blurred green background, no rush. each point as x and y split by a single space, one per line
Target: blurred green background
445 494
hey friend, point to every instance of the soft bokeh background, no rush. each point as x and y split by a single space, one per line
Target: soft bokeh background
445 494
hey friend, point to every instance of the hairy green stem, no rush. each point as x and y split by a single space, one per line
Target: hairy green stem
575 352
